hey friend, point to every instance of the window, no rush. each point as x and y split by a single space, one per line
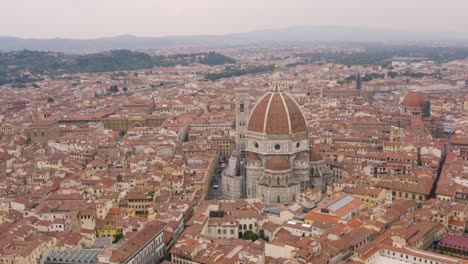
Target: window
241 108
256 145
277 146
279 199
298 145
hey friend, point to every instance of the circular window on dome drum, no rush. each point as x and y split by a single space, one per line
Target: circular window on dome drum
277 146
298 145
256 145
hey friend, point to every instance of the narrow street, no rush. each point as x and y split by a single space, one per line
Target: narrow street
214 193
439 171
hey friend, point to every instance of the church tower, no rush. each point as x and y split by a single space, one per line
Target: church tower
242 116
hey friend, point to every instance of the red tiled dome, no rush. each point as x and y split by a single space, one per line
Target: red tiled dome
277 163
414 100
277 113
315 155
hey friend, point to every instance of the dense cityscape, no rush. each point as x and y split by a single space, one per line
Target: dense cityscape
234 153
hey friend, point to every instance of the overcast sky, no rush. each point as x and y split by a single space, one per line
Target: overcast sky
98 18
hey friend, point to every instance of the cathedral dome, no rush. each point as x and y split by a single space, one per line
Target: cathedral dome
414 100
315 155
277 113
277 163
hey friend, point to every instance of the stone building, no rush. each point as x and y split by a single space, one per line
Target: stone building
273 161
42 131
144 246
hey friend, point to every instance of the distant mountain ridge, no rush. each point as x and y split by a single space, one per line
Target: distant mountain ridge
286 35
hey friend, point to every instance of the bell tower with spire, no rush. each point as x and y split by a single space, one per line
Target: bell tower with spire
242 116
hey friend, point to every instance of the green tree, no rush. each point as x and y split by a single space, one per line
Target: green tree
261 233
427 109
117 237
392 74
263 236
114 88
367 78
249 235
358 82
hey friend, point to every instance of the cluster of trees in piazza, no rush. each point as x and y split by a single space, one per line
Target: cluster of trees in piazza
250 235
29 66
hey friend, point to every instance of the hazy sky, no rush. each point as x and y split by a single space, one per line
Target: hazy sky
97 18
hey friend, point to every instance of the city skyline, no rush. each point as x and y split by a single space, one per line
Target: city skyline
234 132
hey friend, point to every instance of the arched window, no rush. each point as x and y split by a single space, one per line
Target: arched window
245 227
278 181
250 226
240 227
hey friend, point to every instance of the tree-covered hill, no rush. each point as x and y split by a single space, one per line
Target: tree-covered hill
213 58
26 66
